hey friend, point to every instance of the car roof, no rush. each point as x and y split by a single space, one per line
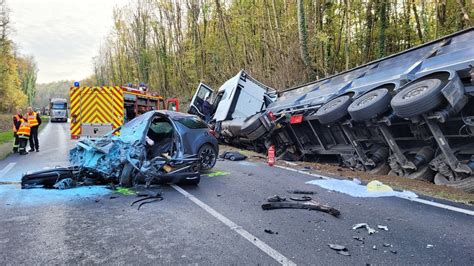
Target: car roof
174 115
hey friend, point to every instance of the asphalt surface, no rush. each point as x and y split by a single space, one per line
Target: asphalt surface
92 225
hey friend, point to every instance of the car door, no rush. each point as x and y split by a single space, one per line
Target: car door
203 91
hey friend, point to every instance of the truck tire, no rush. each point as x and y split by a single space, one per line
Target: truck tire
418 98
251 124
370 105
190 182
466 184
424 173
333 110
127 175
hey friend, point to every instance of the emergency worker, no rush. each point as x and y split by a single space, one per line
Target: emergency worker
34 120
23 135
16 125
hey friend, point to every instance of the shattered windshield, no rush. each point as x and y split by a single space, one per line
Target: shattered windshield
136 128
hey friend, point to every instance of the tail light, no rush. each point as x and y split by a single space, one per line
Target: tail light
296 119
74 137
272 116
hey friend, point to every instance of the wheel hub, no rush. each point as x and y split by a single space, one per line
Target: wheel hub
368 99
415 92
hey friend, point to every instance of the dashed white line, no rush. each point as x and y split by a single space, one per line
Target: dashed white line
6 169
422 201
237 228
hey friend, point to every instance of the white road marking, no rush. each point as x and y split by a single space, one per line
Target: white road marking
6 169
237 228
422 201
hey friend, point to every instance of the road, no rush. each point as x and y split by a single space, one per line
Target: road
218 222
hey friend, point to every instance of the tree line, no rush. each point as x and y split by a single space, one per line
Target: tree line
17 73
171 45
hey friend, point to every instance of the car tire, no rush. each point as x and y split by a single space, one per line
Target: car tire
251 124
208 155
127 175
333 110
370 105
418 98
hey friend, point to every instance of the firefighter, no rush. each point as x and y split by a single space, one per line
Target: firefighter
16 124
23 135
34 120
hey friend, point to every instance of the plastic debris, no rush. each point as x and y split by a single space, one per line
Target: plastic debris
268 231
387 245
429 246
358 238
382 227
377 186
374 247
343 252
366 226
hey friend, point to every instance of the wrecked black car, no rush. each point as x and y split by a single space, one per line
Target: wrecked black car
156 147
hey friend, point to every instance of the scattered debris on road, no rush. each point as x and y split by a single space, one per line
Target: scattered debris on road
429 246
358 238
382 227
276 198
303 198
233 156
269 231
215 173
309 205
340 249
366 226
306 192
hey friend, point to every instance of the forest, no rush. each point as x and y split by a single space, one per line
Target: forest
17 72
171 45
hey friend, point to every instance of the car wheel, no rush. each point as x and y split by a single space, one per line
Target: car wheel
127 175
333 110
208 156
370 105
418 98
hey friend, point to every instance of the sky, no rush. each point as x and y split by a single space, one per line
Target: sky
62 35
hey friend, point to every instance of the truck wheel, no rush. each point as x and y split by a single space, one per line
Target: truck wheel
381 169
126 178
251 124
208 156
466 184
418 98
424 173
333 110
370 105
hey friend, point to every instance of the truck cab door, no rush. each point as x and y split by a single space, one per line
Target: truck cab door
172 104
203 91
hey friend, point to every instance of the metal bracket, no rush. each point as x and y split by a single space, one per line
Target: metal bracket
451 159
357 147
397 152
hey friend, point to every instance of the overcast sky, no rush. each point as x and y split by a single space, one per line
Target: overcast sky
62 35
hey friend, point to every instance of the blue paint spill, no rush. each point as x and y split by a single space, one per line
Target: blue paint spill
245 163
14 196
355 189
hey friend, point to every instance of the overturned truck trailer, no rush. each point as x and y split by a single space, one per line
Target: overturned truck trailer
410 114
